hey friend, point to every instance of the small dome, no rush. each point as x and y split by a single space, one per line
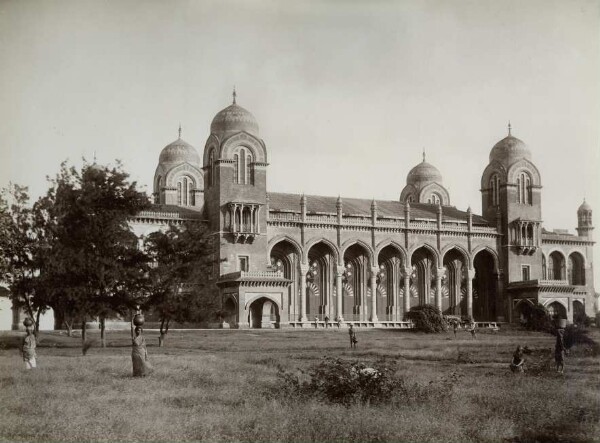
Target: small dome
422 174
509 150
585 207
233 119
179 151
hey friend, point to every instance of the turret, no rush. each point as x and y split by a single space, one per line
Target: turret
584 220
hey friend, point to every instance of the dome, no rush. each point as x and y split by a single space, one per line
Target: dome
509 150
233 119
423 174
178 152
585 207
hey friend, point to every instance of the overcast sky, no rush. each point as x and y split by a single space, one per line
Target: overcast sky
347 93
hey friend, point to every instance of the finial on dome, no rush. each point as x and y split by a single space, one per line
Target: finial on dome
95 163
179 129
509 128
234 94
423 155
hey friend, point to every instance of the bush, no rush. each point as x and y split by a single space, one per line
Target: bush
537 318
427 318
344 382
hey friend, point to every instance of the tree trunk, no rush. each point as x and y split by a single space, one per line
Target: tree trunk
102 331
69 326
164 329
83 348
36 331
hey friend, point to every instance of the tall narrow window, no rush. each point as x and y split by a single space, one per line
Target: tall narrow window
525 271
249 179
243 167
178 193
243 263
236 168
211 171
495 190
519 190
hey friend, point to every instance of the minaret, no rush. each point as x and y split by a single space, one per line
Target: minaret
584 220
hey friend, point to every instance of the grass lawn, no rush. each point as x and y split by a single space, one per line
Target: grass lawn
222 385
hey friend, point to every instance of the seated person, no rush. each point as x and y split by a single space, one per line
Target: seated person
518 361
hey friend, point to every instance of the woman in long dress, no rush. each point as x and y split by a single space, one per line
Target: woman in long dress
139 355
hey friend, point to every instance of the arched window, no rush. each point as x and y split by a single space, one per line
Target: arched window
434 199
185 191
236 168
495 190
524 189
544 270
243 167
575 269
211 168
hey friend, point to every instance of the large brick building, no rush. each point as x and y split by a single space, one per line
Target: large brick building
286 259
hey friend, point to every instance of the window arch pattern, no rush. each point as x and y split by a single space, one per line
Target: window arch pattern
243 173
524 196
434 198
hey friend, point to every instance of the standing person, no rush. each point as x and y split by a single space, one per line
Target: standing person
472 330
139 354
339 322
559 351
455 327
316 322
28 347
353 339
326 321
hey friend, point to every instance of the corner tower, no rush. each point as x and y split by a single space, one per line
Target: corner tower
235 175
584 221
511 199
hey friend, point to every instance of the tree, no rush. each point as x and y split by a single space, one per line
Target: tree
95 267
178 278
23 248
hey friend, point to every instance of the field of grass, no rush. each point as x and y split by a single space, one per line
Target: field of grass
222 385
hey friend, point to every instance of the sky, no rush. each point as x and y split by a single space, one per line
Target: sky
347 94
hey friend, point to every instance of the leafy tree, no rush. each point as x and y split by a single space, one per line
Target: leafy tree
23 252
95 267
178 278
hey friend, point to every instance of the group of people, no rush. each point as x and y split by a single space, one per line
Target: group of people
141 366
518 361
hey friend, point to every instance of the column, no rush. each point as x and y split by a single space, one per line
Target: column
257 221
252 208
470 276
374 271
394 278
407 272
339 291
303 270
438 287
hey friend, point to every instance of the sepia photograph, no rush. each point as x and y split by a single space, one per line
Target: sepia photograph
299 221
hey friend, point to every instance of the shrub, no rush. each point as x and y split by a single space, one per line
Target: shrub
537 318
427 318
344 382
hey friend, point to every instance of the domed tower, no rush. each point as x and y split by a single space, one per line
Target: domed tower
584 220
235 167
178 179
424 185
511 200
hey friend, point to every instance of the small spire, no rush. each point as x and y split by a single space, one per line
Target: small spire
469 209
179 129
95 163
509 128
423 155
234 94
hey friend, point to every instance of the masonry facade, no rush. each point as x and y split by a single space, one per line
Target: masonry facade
289 260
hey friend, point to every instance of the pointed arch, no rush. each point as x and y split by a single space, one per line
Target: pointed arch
389 242
460 249
365 245
427 246
280 238
494 254
309 244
